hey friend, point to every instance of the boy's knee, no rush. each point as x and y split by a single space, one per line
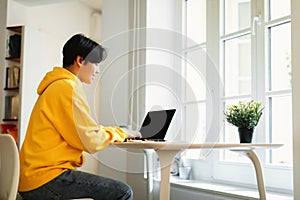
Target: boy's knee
127 192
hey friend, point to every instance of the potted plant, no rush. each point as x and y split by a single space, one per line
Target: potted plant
245 116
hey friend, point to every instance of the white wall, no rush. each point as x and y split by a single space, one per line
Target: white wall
28 83
121 19
113 109
115 21
163 61
57 21
116 96
163 69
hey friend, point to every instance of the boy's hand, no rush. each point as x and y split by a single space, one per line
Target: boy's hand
132 134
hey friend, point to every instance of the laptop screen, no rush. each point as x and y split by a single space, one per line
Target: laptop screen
156 124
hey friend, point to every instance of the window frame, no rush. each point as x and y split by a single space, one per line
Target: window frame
218 169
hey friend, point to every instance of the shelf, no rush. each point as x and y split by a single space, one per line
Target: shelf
11 77
10 120
11 89
17 29
15 59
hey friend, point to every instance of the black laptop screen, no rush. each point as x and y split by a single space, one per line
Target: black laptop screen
156 124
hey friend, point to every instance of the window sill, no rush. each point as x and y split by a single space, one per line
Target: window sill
225 190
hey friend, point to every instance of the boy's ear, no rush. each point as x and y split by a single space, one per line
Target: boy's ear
79 60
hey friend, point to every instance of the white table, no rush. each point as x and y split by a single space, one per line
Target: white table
166 152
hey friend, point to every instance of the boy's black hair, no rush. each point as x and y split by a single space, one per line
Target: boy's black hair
80 45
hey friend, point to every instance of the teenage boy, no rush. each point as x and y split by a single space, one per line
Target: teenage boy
60 129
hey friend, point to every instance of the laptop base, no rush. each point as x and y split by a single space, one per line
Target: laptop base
143 139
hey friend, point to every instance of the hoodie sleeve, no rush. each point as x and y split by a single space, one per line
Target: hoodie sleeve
92 137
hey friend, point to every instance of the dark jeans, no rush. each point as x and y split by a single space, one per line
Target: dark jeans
77 184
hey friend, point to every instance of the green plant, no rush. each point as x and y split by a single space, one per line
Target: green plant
244 114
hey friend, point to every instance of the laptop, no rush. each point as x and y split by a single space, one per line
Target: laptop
156 124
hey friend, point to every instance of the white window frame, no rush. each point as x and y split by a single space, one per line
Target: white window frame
223 171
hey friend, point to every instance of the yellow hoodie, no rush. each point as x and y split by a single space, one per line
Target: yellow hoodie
59 130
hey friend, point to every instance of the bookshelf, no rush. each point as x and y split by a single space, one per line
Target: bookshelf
21 72
12 76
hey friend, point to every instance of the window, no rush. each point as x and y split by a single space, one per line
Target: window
252 49
278 94
194 95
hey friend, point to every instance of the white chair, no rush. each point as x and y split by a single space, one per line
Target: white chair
9 167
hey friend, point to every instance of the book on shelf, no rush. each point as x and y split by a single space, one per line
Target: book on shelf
11 107
14 45
12 79
8 107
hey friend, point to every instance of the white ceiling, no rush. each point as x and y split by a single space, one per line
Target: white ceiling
94 4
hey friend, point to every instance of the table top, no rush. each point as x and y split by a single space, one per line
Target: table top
181 145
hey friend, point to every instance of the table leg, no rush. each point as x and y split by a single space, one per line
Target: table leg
165 157
259 174
150 167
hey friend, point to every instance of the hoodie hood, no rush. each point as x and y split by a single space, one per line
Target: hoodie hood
58 73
